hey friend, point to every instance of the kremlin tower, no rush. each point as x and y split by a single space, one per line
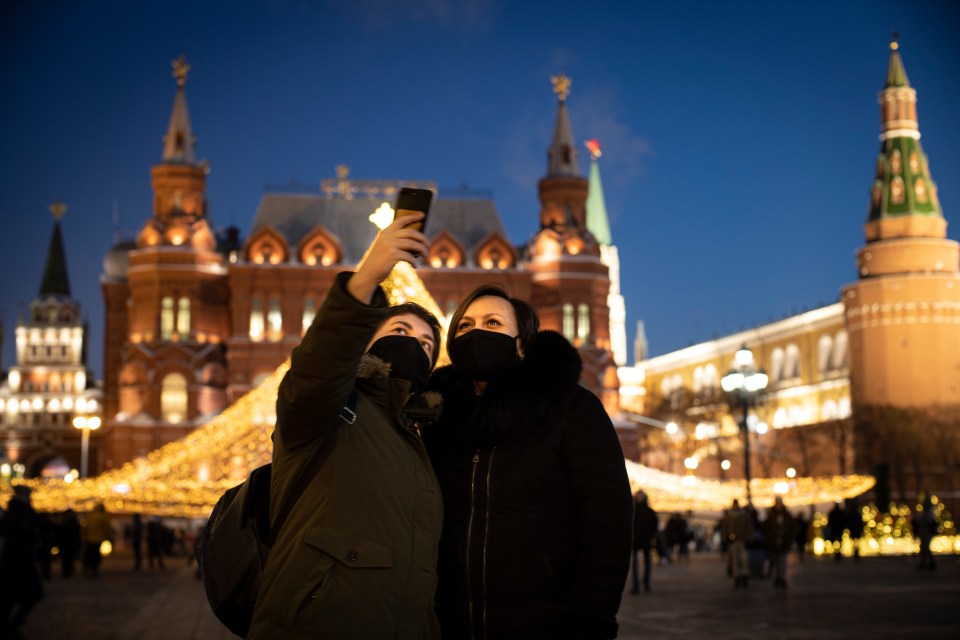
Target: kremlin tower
570 281
903 314
50 386
167 305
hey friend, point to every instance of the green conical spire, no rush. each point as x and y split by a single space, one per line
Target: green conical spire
896 74
55 280
597 222
903 185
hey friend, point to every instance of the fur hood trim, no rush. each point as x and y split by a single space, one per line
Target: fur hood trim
372 367
535 392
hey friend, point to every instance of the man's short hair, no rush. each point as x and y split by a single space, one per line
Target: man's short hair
412 308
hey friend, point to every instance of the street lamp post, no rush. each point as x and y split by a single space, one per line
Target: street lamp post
743 384
86 424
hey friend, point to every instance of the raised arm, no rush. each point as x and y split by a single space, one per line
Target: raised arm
323 367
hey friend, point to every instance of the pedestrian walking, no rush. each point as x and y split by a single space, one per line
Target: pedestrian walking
537 505
854 525
96 530
645 527
778 535
156 543
21 587
836 524
136 540
69 541
925 528
356 557
738 531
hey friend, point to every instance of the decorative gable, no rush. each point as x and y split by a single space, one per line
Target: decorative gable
266 246
320 247
446 252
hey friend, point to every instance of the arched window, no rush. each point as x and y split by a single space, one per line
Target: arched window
583 322
825 354
275 320
173 398
309 312
711 380
568 328
183 317
791 365
776 365
697 379
166 318
840 350
256 319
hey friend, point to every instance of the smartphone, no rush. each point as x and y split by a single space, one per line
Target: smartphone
410 201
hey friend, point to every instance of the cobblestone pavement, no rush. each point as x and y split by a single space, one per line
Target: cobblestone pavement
873 599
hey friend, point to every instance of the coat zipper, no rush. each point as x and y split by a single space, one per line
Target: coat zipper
473 494
486 535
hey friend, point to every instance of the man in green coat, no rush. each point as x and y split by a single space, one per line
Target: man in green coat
356 557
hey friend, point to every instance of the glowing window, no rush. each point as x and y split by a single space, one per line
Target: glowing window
791 368
840 350
776 365
173 398
583 322
825 354
275 319
183 316
920 189
256 319
166 318
309 312
568 328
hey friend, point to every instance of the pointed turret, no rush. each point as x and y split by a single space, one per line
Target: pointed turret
903 314
903 186
55 281
596 205
896 74
179 182
179 142
562 153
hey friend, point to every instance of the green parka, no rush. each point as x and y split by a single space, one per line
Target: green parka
357 555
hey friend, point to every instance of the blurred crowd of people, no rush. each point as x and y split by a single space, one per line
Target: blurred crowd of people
32 543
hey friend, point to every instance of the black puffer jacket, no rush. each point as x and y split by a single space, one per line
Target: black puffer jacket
537 506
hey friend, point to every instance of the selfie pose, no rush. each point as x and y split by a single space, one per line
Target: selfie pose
356 557
537 505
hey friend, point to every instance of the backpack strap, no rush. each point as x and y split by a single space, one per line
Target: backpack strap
349 416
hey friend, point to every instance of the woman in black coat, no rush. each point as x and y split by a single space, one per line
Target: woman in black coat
538 510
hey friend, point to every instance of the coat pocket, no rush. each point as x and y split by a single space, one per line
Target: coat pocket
350 550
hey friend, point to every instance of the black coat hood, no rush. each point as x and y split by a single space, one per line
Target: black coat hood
529 395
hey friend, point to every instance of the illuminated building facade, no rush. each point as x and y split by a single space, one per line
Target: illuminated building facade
50 384
194 321
869 384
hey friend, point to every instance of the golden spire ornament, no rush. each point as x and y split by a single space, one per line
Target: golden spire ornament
561 86
180 70
57 209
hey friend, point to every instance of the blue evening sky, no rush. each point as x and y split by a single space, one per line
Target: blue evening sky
739 137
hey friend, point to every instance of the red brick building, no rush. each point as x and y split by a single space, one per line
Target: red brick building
194 321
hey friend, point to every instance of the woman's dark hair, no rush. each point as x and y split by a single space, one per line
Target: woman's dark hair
528 322
414 309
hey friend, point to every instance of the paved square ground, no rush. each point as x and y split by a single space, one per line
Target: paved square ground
873 599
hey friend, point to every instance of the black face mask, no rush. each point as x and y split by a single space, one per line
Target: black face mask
408 361
483 354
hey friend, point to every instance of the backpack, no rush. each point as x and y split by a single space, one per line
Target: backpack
232 549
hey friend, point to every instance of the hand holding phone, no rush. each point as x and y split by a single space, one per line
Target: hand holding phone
411 201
